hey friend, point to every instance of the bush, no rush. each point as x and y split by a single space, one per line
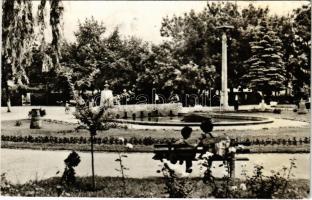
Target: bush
125 141
140 141
257 186
42 112
104 140
111 140
116 141
113 125
103 126
18 123
175 187
277 111
134 140
68 177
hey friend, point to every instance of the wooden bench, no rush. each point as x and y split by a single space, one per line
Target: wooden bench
178 152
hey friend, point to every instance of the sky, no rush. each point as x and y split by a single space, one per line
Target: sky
143 18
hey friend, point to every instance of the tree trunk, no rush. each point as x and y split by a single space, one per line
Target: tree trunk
92 162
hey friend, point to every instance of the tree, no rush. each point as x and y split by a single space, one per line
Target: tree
158 70
195 37
251 17
48 55
17 34
56 13
92 119
90 32
95 58
294 32
266 68
301 57
84 56
136 52
19 41
284 28
116 68
193 78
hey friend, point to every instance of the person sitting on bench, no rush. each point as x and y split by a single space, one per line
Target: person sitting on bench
218 144
188 142
206 126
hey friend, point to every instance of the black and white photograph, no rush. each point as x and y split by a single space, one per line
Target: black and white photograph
156 99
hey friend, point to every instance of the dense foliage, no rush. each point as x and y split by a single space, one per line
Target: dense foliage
187 61
20 42
266 68
262 47
17 34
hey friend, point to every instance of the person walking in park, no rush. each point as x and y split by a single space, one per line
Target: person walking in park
236 103
67 108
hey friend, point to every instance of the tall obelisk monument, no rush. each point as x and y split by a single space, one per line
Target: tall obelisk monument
224 80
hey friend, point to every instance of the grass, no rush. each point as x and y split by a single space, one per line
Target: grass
111 187
304 148
62 129
76 147
68 130
48 128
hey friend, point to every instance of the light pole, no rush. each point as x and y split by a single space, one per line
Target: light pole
210 89
224 87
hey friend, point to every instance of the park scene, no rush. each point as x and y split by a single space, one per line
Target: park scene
156 99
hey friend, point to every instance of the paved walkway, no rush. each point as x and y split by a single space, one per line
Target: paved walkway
58 113
24 165
278 123
53 112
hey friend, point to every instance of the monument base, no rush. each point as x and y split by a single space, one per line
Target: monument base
302 108
225 108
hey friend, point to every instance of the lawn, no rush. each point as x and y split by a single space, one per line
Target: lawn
111 187
58 129
64 131
147 187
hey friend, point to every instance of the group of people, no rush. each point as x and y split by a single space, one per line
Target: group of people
219 144
187 140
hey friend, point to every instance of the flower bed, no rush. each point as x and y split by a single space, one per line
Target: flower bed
143 140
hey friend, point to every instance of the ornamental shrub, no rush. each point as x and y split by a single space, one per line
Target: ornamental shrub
18 123
68 177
